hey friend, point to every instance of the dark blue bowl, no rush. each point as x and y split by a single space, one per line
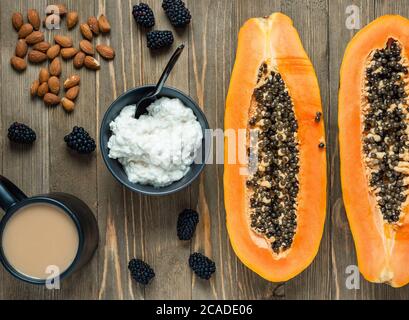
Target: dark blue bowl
131 97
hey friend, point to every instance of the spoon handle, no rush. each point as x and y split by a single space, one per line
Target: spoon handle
168 69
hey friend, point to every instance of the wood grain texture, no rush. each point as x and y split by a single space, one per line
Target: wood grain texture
114 208
76 174
28 167
132 225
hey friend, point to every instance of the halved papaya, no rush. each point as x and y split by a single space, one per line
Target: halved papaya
275 209
374 147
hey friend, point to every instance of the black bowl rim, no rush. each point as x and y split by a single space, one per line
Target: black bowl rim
133 186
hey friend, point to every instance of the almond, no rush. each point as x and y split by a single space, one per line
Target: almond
79 60
72 81
72 93
34 18
105 51
42 89
63 41
103 24
35 37
87 47
17 20
54 84
68 53
21 48
67 104
34 87
44 75
50 99
18 64
53 52
86 31
55 67
36 56
93 25
91 63
25 30
72 19
42 46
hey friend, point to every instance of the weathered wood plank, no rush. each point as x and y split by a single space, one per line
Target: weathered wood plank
119 210
210 56
28 167
162 249
70 172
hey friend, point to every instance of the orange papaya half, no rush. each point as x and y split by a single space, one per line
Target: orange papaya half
275 208
373 123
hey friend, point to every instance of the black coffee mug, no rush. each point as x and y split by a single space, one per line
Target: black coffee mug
12 199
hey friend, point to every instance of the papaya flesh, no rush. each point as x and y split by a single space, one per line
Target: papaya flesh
275 215
374 147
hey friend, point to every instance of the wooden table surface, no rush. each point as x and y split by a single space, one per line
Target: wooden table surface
132 225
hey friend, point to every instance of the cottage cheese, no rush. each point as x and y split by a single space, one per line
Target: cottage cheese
159 147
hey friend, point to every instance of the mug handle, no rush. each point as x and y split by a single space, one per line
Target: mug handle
10 194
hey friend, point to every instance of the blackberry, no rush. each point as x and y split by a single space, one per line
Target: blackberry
177 12
159 39
202 265
143 15
141 272
186 224
80 140
21 133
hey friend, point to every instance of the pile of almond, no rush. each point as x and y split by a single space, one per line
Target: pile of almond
47 86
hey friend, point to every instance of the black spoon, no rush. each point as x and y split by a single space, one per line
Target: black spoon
146 100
